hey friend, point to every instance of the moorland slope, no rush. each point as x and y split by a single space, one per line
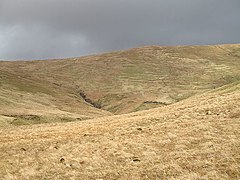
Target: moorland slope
197 138
112 83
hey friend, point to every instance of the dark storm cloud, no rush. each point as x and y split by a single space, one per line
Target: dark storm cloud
37 29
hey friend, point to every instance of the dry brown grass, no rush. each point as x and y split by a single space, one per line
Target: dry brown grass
119 81
197 138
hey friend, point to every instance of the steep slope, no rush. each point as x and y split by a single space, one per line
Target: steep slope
197 138
117 82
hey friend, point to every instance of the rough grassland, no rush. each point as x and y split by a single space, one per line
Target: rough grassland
57 117
197 138
118 82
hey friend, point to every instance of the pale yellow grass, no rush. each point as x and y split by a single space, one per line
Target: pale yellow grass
197 138
121 82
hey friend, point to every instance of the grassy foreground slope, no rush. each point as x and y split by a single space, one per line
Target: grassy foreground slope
118 82
197 138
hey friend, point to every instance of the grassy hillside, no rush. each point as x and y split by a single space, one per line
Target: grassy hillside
25 100
117 82
197 138
181 121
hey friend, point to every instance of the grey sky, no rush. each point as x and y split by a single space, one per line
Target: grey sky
40 29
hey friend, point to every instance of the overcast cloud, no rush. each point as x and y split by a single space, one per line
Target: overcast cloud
41 29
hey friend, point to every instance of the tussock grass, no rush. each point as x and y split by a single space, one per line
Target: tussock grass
191 130
197 138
